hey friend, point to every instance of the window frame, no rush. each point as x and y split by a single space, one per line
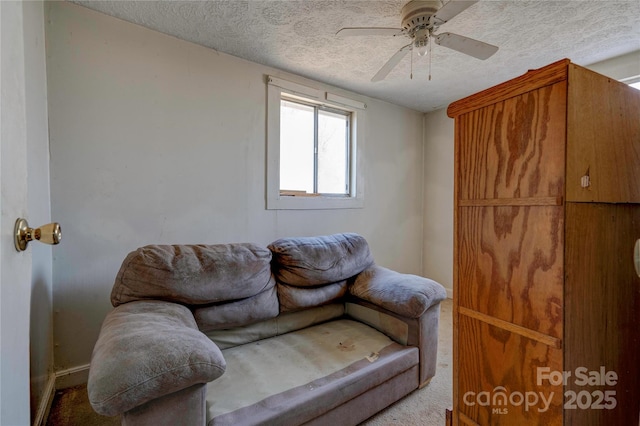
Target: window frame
277 89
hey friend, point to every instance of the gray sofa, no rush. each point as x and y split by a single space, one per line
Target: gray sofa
305 331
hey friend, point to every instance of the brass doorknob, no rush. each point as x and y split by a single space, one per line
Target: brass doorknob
50 233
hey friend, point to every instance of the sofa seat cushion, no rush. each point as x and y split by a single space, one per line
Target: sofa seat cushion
295 377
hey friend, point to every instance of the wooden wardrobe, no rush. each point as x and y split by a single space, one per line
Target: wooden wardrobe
547 213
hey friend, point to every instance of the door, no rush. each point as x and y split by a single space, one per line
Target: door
15 267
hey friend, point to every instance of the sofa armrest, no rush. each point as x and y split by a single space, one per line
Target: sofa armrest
404 294
146 350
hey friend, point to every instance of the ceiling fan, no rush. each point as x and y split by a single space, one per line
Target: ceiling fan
420 20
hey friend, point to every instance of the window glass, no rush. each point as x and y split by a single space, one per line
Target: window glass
333 153
296 146
314 149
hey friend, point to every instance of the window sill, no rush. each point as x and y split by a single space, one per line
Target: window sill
313 202
298 194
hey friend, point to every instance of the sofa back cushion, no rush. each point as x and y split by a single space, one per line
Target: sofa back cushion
236 313
312 271
282 324
193 274
226 285
313 261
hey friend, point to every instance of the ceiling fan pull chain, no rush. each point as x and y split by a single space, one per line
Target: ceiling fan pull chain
411 76
430 38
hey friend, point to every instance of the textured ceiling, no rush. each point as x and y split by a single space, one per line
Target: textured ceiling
298 36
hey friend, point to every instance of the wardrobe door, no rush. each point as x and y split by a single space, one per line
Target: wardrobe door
509 258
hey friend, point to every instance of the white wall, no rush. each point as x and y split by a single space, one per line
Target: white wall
621 68
438 198
156 140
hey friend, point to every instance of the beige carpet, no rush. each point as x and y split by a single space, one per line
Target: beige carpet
423 407
71 407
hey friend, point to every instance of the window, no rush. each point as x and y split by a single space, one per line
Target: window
632 81
312 148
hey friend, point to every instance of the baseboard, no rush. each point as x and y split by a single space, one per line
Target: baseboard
45 402
72 376
449 293
60 380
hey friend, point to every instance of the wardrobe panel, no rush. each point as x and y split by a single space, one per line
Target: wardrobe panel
602 312
514 148
603 143
498 377
510 264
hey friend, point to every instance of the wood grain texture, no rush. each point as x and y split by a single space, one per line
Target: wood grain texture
540 201
511 265
602 306
491 357
515 148
466 420
532 80
603 138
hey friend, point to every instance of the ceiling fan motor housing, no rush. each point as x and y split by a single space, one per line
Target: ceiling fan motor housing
417 14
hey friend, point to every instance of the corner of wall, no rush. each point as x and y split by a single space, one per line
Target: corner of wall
72 377
438 198
42 412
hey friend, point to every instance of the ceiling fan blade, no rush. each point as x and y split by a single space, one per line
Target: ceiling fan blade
369 31
451 9
466 45
391 63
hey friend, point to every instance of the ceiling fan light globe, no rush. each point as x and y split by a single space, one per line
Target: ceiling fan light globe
421 47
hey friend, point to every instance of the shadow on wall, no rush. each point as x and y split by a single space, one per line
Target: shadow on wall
40 336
